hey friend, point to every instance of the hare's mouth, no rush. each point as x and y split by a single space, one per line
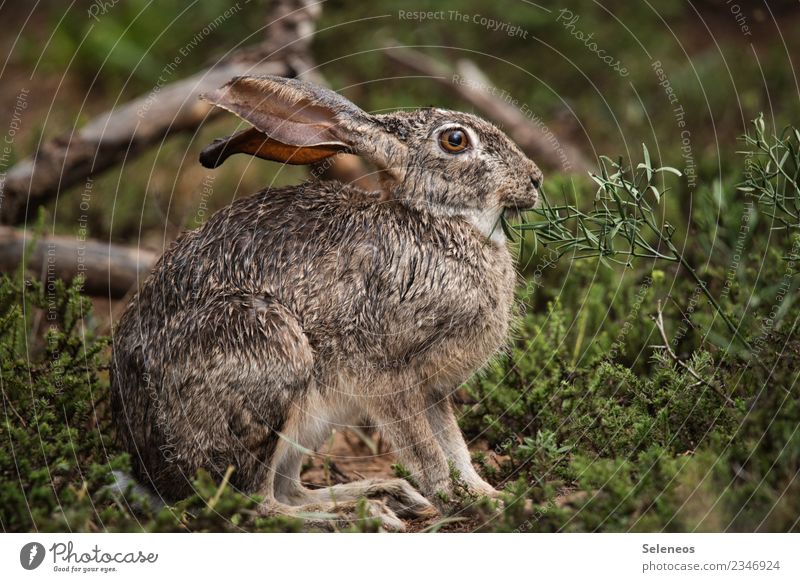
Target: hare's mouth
516 205
515 208
515 212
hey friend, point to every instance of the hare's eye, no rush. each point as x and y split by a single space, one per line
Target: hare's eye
454 140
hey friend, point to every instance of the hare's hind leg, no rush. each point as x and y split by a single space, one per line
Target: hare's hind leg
255 382
240 364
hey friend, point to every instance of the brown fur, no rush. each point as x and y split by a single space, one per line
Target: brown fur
304 309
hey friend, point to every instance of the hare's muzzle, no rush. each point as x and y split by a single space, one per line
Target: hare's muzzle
526 195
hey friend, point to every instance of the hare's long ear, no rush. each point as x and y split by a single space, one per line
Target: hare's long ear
294 122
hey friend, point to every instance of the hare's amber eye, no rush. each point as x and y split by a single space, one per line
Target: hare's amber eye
454 140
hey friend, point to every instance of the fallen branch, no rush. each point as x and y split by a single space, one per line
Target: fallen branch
126 131
110 270
472 86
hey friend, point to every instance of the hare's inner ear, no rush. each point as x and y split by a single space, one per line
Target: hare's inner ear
293 121
253 142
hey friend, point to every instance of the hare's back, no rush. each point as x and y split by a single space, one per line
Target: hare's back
276 242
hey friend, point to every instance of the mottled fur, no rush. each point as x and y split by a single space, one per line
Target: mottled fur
304 309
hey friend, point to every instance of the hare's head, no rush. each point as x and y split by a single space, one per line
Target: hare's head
449 162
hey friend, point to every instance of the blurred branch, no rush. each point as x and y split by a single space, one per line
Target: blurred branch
471 86
110 270
127 131
348 169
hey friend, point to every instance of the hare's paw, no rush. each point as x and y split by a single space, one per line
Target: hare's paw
475 500
332 516
362 513
489 497
483 490
401 497
446 502
388 518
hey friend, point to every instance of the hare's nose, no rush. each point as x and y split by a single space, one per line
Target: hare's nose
535 176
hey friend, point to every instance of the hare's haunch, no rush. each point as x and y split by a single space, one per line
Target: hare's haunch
322 306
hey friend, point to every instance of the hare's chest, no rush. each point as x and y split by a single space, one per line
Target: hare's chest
490 308
470 321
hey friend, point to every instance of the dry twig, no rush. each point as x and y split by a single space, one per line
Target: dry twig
110 270
537 142
125 132
659 321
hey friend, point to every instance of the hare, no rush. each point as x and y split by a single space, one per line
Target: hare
305 309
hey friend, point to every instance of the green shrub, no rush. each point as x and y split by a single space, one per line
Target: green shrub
58 442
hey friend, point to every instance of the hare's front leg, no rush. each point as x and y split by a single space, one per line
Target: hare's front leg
442 418
401 418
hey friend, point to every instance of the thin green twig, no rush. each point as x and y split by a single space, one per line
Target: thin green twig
621 226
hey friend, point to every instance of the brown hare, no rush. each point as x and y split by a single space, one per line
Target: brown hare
305 309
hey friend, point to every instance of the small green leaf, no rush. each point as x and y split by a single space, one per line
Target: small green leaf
648 168
669 169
